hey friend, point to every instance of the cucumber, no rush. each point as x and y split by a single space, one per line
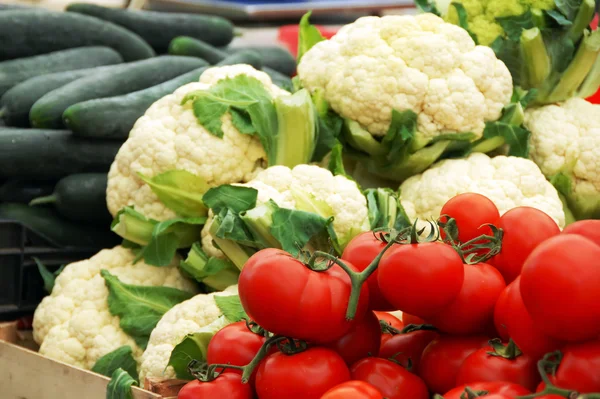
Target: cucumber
47 111
80 198
62 233
16 103
279 79
114 117
185 45
31 32
159 28
15 71
51 154
274 57
23 191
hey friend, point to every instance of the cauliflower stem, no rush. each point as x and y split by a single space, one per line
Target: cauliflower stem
216 274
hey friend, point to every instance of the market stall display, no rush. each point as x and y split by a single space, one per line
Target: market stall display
406 207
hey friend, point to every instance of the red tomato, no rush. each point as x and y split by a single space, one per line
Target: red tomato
361 341
234 344
586 228
360 252
420 278
578 369
410 319
443 357
471 211
492 388
227 385
472 311
490 364
323 297
353 390
559 286
390 319
407 347
499 322
305 375
524 229
511 316
392 380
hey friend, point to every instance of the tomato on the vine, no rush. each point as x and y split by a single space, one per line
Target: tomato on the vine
406 348
511 318
226 385
587 228
363 340
472 311
578 368
392 380
499 362
360 252
390 319
443 357
471 211
410 319
353 390
304 375
524 229
559 286
420 278
492 388
324 296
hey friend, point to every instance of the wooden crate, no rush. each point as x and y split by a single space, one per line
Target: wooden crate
25 374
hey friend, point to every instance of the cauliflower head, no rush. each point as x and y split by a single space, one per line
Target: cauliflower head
565 141
418 63
279 183
508 181
169 137
185 318
73 324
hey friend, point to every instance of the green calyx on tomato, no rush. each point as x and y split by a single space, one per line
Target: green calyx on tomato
508 351
386 328
473 251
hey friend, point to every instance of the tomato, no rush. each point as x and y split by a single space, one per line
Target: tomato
492 388
578 369
234 344
490 364
510 313
305 375
390 319
361 341
420 278
407 346
471 211
444 356
392 380
410 319
586 228
500 324
227 385
360 252
472 311
524 229
310 305
353 390
559 286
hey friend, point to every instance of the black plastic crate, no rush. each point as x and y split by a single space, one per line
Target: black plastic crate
21 286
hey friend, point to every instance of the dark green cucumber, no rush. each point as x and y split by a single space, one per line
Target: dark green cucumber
114 117
159 28
274 57
185 45
23 191
16 103
16 71
31 32
80 198
47 111
63 233
51 154
279 79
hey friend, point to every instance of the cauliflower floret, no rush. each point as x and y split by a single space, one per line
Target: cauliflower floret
73 324
169 137
184 318
418 63
566 139
348 204
508 181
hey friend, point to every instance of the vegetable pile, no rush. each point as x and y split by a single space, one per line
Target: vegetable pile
412 215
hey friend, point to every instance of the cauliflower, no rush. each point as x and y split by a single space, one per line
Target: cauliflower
565 144
169 137
185 318
309 188
508 181
73 324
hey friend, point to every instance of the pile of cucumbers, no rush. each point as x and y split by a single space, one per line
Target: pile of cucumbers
73 84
